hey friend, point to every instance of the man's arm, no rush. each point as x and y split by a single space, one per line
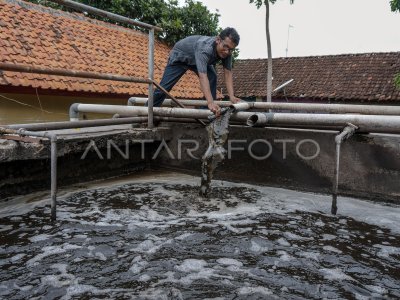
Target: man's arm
229 86
205 88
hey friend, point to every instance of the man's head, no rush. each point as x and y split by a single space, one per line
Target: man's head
227 41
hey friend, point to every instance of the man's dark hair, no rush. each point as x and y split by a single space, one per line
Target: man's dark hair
231 33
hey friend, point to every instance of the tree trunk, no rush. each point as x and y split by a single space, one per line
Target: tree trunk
269 73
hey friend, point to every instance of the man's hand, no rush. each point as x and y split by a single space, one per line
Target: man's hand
214 108
235 100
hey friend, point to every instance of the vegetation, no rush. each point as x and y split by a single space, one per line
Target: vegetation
395 5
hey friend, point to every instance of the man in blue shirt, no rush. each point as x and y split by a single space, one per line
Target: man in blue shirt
200 54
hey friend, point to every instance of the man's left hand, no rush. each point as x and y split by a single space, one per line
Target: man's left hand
235 100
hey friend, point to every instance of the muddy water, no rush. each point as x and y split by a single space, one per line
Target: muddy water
156 238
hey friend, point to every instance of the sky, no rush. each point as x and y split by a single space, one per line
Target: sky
320 27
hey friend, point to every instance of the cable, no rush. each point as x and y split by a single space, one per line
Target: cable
34 107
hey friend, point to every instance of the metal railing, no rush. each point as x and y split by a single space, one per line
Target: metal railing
118 18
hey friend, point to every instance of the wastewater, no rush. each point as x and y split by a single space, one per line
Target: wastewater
154 237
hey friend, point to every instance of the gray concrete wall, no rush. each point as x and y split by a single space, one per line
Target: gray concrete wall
369 166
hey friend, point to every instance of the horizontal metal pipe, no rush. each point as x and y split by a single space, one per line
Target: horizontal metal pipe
103 13
70 73
76 124
158 111
169 102
365 123
306 107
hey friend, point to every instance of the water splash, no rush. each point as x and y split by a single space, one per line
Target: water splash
218 131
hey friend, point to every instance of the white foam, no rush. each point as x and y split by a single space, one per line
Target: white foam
284 256
5 227
311 255
376 289
229 262
292 236
332 249
192 265
144 278
150 247
257 248
254 290
184 236
335 274
328 237
17 257
283 242
47 251
100 256
24 288
138 265
40 237
386 251
51 250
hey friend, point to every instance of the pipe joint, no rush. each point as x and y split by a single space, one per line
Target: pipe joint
347 132
257 120
131 101
240 106
74 112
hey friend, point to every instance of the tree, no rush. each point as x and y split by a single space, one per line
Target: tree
177 22
395 5
259 3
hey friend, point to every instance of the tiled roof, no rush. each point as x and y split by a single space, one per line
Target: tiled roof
34 35
352 77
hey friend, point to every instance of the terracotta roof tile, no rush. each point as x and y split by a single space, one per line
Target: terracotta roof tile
72 41
351 77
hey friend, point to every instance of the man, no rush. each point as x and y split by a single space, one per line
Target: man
200 54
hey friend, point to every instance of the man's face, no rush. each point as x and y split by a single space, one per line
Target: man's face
225 47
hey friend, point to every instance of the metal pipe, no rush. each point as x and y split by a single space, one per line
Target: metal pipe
347 132
366 123
103 13
53 191
173 99
151 77
257 120
240 106
70 73
53 140
306 107
76 124
158 111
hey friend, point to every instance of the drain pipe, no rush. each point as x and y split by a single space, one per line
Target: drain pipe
346 133
365 123
53 158
292 107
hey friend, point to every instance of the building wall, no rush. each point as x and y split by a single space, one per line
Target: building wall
17 108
